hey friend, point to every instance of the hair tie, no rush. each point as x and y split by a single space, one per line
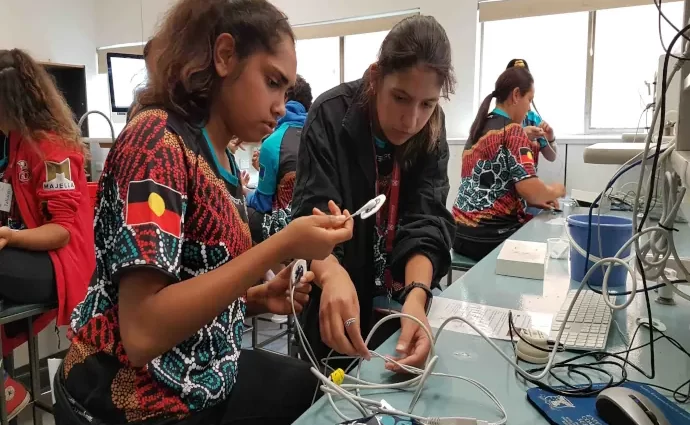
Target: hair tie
493 93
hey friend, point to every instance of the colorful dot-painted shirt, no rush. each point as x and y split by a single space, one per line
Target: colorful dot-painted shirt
488 207
164 203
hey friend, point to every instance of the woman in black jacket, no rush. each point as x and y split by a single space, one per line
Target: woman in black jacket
383 134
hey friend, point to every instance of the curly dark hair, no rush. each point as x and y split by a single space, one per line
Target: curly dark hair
31 104
300 92
185 79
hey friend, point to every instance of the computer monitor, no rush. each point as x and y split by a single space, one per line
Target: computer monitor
126 73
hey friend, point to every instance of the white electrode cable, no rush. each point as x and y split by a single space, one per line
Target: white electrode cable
360 403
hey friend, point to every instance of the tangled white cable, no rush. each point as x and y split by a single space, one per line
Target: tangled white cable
336 384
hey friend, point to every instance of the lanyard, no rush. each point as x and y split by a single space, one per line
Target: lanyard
393 198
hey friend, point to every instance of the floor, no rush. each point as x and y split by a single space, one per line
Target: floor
26 417
266 330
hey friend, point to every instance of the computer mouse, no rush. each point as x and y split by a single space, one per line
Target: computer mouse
623 406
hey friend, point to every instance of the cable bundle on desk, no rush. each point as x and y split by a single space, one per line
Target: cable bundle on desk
599 356
336 385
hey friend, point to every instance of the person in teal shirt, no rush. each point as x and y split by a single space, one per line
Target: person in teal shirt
269 204
537 130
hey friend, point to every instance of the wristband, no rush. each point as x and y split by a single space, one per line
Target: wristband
429 294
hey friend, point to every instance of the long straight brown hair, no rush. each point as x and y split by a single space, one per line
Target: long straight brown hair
511 79
31 104
416 40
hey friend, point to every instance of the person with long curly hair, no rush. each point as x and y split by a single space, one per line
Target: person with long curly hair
46 219
158 338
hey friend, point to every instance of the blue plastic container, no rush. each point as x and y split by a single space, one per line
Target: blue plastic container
615 232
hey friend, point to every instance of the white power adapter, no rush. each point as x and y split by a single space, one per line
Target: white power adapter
530 354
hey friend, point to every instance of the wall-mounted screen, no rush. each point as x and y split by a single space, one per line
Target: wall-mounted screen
126 73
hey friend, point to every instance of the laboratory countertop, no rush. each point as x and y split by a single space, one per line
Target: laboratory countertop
471 356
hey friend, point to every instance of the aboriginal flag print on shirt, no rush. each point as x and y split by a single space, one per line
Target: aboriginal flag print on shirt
149 202
526 156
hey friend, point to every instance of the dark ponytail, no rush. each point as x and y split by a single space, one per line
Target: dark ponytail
480 119
512 78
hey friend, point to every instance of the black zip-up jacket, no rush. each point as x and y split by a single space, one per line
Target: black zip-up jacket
336 162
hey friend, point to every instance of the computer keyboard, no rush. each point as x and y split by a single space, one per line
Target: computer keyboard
588 326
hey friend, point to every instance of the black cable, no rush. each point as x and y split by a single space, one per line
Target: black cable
574 391
655 162
651 288
668 21
587 390
512 327
662 116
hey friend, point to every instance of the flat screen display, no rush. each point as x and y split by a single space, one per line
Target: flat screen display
126 73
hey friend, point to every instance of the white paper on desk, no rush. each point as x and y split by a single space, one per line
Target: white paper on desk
559 221
493 321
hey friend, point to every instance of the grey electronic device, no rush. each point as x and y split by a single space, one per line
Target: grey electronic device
623 406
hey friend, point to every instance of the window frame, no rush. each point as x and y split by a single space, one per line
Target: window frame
589 82
341 53
589 79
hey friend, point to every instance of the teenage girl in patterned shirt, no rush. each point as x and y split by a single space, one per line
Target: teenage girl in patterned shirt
499 177
158 338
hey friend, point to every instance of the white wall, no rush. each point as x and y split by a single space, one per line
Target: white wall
129 21
52 31
63 32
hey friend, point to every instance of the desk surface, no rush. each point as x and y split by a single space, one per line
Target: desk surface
471 356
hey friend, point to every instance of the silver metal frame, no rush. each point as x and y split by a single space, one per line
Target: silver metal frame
11 314
589 78
683 135
342 58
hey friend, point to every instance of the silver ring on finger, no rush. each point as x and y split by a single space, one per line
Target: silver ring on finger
350 321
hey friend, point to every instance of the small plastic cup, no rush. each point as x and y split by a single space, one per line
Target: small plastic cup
557 248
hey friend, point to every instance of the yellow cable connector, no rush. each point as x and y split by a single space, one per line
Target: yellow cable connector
338 376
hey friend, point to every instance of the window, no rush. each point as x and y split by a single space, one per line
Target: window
318 61
361 50
555 50
577 92
626 58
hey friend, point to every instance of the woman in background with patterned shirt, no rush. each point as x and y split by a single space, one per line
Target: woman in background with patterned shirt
158 338
498 175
